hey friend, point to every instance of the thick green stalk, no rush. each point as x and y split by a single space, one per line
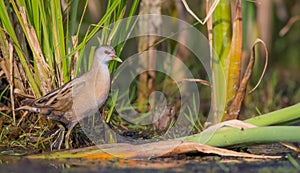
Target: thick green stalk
222 31
229 136
221 42
233 136
281 116
234 60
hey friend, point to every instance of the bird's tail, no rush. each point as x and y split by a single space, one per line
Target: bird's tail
27 106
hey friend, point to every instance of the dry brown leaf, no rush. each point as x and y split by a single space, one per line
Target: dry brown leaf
11 81
4 108
186 147
235 106
234 64
43 67
145 151
209 12
19 92
1 73
257 41
231 123
201 81
4 69
22 118
288 26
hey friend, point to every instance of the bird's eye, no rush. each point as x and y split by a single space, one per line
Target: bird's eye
106 52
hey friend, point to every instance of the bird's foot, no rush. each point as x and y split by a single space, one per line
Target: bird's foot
56 145
67 139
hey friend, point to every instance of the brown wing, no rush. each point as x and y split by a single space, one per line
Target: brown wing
58 100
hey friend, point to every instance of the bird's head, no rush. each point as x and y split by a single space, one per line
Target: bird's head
105 54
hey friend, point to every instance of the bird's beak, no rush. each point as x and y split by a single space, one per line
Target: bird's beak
117 59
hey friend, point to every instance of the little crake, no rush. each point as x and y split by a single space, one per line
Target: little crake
78 98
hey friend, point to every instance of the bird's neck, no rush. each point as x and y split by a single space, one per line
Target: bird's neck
101 69
102 78
97 63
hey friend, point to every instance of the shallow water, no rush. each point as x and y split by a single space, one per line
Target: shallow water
11 160
180 163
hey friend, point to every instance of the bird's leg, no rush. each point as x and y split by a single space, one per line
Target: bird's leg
60 137
67 137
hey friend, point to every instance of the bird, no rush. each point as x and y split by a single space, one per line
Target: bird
78 98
